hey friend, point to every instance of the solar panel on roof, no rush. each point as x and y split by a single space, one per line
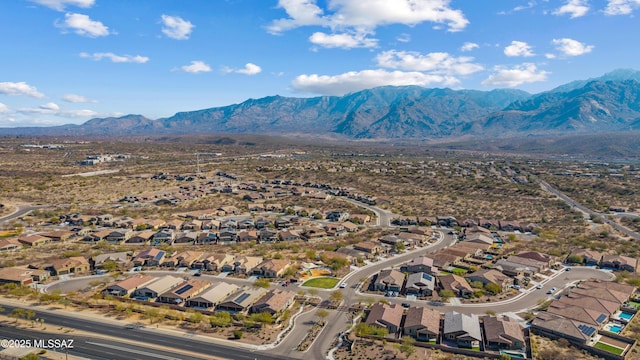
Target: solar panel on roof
587 330
158 256
184 289
242 297
601 318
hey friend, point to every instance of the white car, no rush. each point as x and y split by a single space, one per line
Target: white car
343 285
539 286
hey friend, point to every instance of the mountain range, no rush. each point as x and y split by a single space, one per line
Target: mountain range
610 103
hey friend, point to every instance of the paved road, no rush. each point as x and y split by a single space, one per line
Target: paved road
584 209
384 216
528 299
339 321
151 336
20 211
88 347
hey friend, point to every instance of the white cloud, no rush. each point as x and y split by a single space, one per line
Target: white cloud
248 69
84 113
54 110
367 15
344 40
575 9
550 56
50 107
61 4
83 25
468 46
196 67
366 79
621 7
4 109
437 62
19 88
176 27
404 37
520 74
529 5
518 48
73 98
116 58
570 47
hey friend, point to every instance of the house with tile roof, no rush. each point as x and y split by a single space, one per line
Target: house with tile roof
183 291
462 329
129 285
211 297
389 280
422 324
502 333
274 302
242 300
386 316
158 286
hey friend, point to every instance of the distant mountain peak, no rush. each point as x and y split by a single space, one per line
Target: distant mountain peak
604 104
614 75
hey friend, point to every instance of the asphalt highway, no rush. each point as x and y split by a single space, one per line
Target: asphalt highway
86 347
151 336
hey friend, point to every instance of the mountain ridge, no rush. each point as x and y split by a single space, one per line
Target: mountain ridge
606 104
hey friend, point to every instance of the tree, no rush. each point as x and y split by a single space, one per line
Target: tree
407 346
322 314
17 313
196 317
446 294
311 254
336 296
152 314
220 319
399 247
109 265
575 259
30 356
262 318
493 288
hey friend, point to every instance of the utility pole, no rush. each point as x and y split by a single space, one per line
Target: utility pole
198 163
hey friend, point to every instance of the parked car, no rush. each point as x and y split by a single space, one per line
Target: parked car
343 285
539 286
406 305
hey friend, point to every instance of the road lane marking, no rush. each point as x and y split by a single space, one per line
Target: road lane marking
139 352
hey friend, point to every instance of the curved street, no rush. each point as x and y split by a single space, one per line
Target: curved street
21 210
623 229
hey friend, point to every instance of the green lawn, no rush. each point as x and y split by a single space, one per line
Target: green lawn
634 304
322 282
459 271
609 348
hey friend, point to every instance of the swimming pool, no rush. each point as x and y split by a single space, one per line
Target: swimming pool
615 328
626 315
513 354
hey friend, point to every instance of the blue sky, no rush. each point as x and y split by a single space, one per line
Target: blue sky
66 61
